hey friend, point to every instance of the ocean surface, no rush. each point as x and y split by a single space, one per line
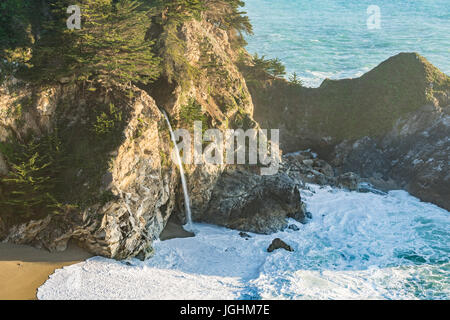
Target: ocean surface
357 246
330 38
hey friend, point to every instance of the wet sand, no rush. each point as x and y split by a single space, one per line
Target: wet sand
23 268
173 230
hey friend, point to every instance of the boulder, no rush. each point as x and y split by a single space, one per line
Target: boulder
279 244
349 181
244 235
249 202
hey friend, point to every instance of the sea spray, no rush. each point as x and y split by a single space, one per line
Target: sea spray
356 246
187 205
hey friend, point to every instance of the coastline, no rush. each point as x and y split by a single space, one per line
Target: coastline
23 269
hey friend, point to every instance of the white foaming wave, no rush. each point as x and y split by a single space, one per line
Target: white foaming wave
368 247
357 246
314 79
101 278
372 284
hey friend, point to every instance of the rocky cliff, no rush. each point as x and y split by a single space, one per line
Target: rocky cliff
390 126
110 183
92 163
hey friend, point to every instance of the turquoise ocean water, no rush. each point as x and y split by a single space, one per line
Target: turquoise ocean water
330 38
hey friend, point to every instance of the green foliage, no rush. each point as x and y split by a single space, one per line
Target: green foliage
179 11
170 15
242 120
192 111
109 48
18 25
226 15
274 67
108 122
16 22
260 68
30 188
89 143
172 53
141 127
295 81
120 41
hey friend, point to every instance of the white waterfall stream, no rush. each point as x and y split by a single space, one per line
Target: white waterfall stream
187 205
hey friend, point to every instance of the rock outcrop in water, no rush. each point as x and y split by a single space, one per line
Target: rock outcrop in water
279 244
390 126
247 201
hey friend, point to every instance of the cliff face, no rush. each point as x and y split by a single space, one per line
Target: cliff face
121 191
113 177
391 125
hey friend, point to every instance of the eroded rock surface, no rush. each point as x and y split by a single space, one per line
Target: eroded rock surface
249 202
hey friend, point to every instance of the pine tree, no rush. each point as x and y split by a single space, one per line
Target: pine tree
29 188
110 47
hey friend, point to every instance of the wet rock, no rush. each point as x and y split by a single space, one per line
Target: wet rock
244 235
293 227
246 201
279 244
348 181
368 188
323 167
174 230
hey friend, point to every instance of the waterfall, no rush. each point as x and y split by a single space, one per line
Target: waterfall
187 205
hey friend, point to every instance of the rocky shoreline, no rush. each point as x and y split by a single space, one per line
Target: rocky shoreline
390 127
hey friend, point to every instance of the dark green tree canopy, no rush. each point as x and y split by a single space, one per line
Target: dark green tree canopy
115 45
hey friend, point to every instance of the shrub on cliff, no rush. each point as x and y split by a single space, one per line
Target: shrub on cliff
29 190
259 68
169 15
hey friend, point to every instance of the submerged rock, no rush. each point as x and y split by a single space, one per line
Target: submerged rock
279 244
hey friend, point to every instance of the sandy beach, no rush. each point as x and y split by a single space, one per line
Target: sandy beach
23 269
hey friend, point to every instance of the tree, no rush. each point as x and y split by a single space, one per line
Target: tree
261 67
30 187
110 47
295 81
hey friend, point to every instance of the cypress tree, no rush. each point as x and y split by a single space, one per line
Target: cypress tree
109 48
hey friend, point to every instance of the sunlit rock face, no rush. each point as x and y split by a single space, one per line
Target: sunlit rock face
138 187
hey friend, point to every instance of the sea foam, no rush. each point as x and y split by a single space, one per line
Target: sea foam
357 246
